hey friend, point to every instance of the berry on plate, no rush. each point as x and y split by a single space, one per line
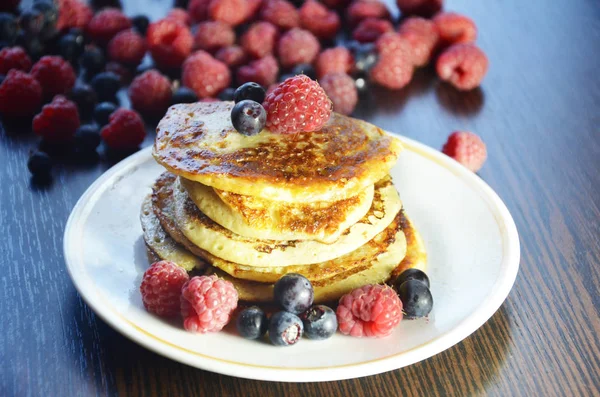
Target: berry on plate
161 288
320 322
252 323
462 65
58 121
293 293
248 117
251 90
416 299
285 329
466 148
411 274
125 130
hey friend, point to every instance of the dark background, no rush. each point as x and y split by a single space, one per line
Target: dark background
538 110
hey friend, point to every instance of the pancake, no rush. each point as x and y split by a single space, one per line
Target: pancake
222 243
257 218
198 142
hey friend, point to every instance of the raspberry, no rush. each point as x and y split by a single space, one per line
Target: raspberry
232 12
170 42
14 58
56 76
333 60
150 92
232 56
422 36
252 9
280 13
259 40
370 29
363 9
340 88
466 148
20 94
462 65
106 24
161 288
425 8
198 10
180 15
319 20
393 43
297 46
371 311
454 28
262 71
298 104
393 70
73 14
336 3
207 303
127 47
212 35
58 120
125 130
205 75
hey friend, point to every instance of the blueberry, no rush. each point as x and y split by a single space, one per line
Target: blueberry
252 323
226 94
32 45
87 137
305 69
184 95
106 85
85 98
294 293
102 112
2 77
248 117
9 27
93 60
39 163
416 299
70 47
412 274
365 57
285 76
253 91
50 14
285 329
140 23
320 322
31 22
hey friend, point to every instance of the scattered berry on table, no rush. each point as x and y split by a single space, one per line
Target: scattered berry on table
336 3
467 148
39 164
232 12
140 23
262 71
58 121
87 137
106 24
70 47
334 60
272 87
252 9
248 117
50 13
341 89
320 322
297 46
371 311
454 28
306 106
161 288
184 95
198 10
293 293
360 10
462 65
416 299
102 112
125 130
205 75
106 85
252 323
170 42
370 29
213 35
20 94
285 329
394 44
226 94
150 92
365 57
393 71
31 22
180 15
127 47
411 274
425 8
319 20
280 13
260 39
232 56
124 73
73 14
250 90
14 58
422 35
85 98
55 75
306 69
93 60
207 303
33 45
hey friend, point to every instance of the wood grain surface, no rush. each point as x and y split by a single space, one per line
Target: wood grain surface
539 113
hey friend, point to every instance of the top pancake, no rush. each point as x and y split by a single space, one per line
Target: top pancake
198 141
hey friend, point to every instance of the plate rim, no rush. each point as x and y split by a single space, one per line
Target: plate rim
509 268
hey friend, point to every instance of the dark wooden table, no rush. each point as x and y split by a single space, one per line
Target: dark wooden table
539 113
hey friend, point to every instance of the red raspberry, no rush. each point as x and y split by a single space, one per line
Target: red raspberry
252 9
58 120
232 56
198 10
370 29
340 88
298 104
466 148
280 13
9 5
73 14
319 20
125 130
462 65
297 46
232 12
20 94
259 40
106 24
170 42
207 303
424 8
454 28
363 9
371 311
212 35
205 75
150 92
262 71
127 47
422 36
393 70
334 60
55 75
180 15
161 288
393 43
14 58
336 3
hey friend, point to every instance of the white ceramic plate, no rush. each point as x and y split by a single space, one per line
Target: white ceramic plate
470 236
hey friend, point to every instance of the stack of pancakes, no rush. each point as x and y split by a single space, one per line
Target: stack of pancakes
253 208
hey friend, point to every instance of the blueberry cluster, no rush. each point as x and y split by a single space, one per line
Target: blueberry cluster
412 287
